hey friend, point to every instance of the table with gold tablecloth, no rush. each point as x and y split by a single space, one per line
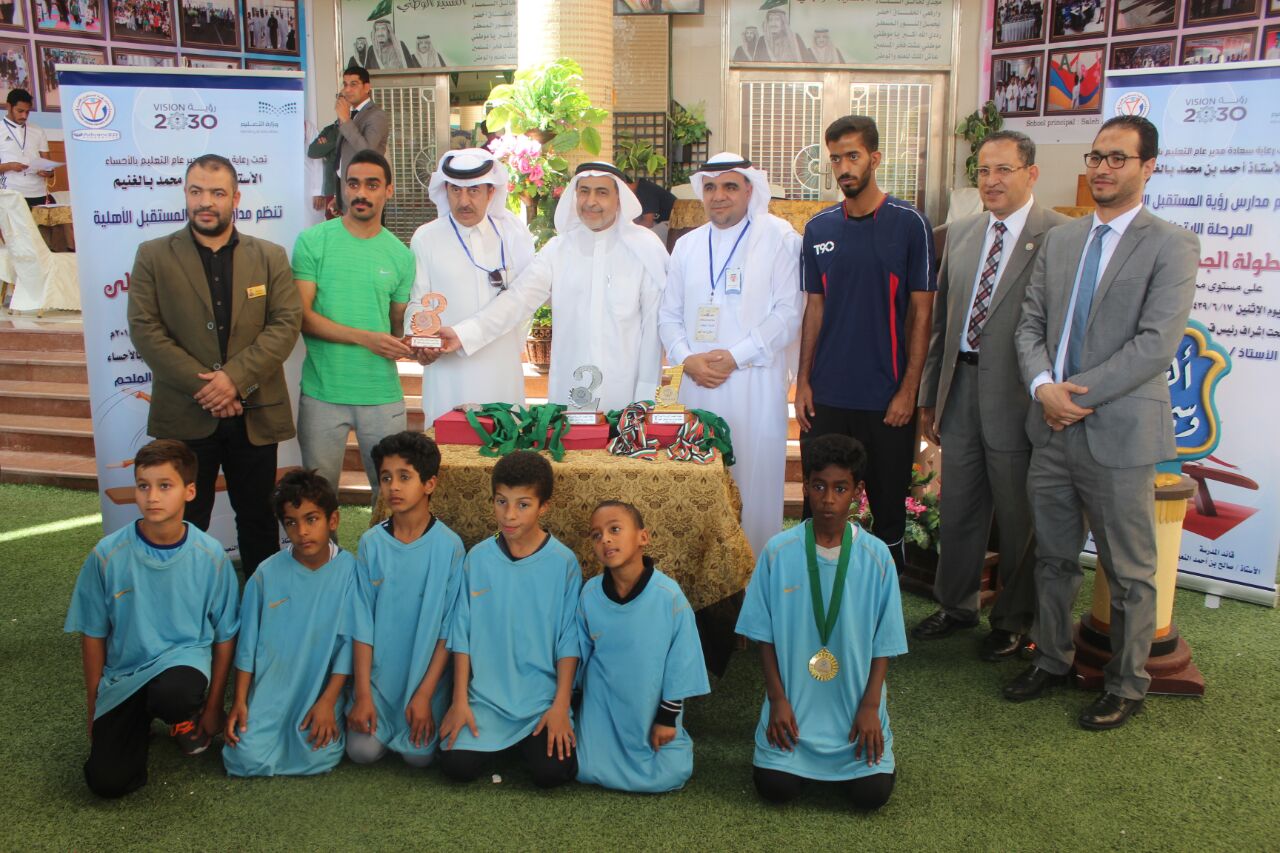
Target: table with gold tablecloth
688 214
691 512
54 222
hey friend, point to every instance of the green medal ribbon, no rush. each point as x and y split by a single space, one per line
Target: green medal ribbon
826 622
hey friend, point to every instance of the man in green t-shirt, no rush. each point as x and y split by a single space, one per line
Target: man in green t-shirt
354 277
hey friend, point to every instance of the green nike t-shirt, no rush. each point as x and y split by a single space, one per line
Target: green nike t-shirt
356 282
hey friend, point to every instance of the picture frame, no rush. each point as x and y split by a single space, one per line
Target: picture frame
272 65
1073 80
142 21
127 57
1075 20
1273 9
1201 13
74 18
17 71
1026 67
204 60
49 54
1018 22
1210 48
1147 53
1141 16
209 23
261 37
17 14
1270 43
658 7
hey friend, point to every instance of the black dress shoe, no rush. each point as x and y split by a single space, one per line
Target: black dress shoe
1031 683
1109 711
941 624
999 645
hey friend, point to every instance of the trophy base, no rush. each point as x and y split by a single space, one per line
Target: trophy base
425 342
668 418
584 418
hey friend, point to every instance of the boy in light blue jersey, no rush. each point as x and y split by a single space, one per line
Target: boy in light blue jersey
824 606
408 573
294 653
641 658
156 606
514 637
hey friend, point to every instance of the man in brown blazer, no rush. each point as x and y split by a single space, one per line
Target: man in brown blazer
215 313
973 402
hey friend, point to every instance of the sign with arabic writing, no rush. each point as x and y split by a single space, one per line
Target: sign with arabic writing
1198 366
396 35
836 32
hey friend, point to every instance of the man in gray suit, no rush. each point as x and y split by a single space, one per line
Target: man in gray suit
1107 305
973 403
362 124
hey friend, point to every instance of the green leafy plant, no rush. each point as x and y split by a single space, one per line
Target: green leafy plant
634 156
542 317
688 125
924 518
548 98
974 128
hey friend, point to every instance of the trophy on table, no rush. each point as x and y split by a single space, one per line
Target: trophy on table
426 323
583 407
666 406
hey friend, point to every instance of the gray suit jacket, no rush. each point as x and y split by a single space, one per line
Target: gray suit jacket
1002 398
369 129
1138 316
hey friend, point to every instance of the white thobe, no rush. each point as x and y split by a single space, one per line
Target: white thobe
489 375
758 327
604 307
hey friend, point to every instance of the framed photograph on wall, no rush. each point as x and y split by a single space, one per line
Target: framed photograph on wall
1202 12
1218 48
141 20
197 60
209 23
130 58
271 65
1078 19
13 15
657 7
1153 53
49 54
1273 8
1073 81
1270 48
1018 22
271 26
15 65
81 18
1016 83
1137 16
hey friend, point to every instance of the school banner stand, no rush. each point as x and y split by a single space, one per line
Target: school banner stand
129 136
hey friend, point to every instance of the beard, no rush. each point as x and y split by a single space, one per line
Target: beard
217 229
852 190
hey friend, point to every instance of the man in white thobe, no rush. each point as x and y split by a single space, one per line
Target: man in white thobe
731 315
470 255
604 276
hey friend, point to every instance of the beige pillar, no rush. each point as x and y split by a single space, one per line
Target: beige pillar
581 30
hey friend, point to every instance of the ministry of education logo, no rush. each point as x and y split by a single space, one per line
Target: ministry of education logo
1133 104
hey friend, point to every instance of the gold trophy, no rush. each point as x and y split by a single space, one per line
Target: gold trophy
426 323
666 408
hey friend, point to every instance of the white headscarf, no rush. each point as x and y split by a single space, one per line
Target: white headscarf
731 162
469 160
643 243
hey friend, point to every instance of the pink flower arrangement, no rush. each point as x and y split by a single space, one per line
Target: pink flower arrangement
523 158
915 507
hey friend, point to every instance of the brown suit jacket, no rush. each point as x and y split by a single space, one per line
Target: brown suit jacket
171 325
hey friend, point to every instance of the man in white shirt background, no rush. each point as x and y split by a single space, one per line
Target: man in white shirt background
20 145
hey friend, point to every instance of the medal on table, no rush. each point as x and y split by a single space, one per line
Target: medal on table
583 407
824 665
426 322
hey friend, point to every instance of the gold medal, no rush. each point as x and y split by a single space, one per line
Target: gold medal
823 666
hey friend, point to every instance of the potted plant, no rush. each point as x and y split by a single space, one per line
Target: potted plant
537 347
547 102
974 128
637 156
688 126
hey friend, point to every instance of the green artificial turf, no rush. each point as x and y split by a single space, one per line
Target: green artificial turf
974 771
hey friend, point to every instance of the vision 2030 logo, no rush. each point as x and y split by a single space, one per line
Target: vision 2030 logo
1133 104
95 111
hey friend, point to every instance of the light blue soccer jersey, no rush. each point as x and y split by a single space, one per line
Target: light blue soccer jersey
155 613
634 655
294 635
778 609
516 619
406 599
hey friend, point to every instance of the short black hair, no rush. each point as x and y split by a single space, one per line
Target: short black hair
834 449
168 451
864 126
1026 146
19 96
299 485
368 155
214 162
1148 135
358 70
525 468
414 448
629 509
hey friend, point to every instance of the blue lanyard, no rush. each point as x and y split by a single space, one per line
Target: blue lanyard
22 146
502 248
711 261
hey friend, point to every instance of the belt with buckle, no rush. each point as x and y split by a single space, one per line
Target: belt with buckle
967 357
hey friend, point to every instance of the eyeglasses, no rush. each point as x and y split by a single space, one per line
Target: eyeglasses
1115 160
998 171
495 279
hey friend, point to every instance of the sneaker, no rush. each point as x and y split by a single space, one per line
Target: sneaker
189 738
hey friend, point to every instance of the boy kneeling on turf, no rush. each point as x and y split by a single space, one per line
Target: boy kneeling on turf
155 604
824 606
515 637
641 658
294 652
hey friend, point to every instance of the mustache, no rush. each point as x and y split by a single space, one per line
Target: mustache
360 200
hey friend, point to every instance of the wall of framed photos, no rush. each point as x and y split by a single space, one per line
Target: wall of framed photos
37 35
1045 62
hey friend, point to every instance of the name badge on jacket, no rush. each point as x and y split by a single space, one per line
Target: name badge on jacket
256 291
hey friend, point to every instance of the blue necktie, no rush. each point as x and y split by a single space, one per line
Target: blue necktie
1084 299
